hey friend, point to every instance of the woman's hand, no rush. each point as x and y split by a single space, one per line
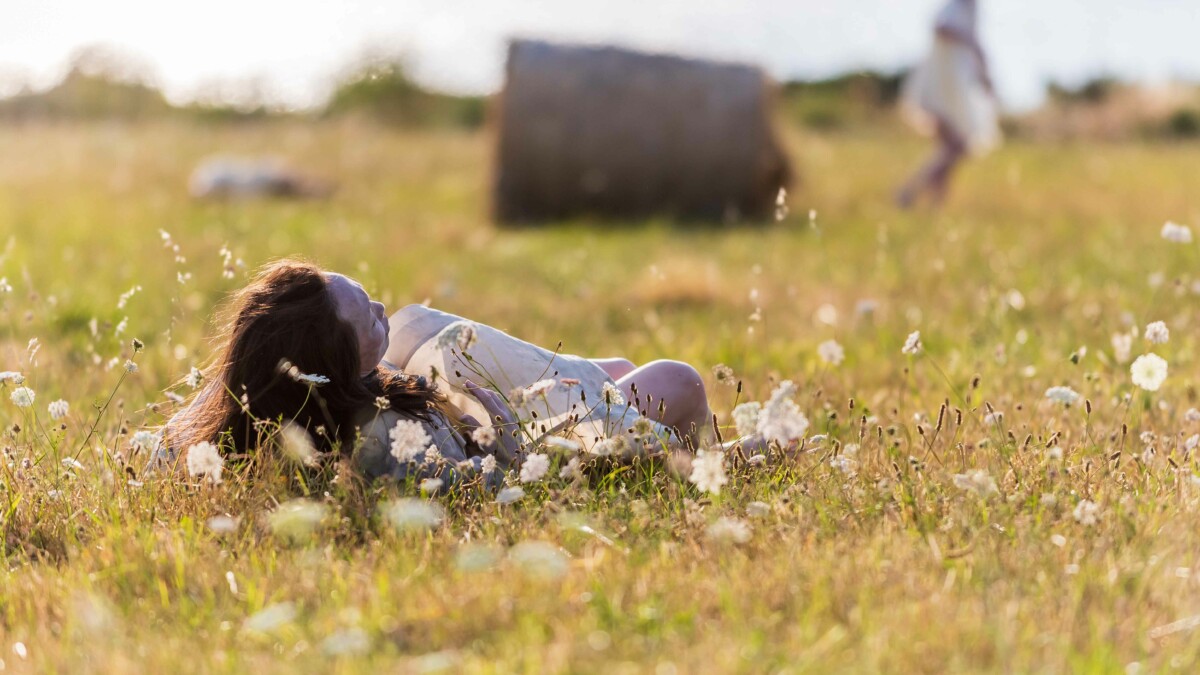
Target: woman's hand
503 420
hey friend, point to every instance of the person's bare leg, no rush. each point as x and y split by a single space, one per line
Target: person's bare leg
934 175
616 368
679 389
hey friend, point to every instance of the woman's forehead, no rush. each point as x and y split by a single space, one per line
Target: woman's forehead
345 289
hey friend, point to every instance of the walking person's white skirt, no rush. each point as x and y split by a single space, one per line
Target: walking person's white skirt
946 85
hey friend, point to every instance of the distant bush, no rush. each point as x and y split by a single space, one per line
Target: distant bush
384 91
1183 123
100 84
845 101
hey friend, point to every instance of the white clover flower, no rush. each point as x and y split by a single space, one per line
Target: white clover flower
1064 395
912 344
195 378
203 459
407 515
409 438
831 352
510 495
297 445
484 436
1157 333
1086 513
22 397
611 395
1149 371
728 530
708 471
296 520
1122 344
781 420
58 409
534 468
978 481
459 335
11 376
1179 234
488 464
745 418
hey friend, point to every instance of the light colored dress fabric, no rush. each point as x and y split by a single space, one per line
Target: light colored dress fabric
946 85
574 409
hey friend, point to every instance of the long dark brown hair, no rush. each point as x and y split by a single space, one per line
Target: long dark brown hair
286 315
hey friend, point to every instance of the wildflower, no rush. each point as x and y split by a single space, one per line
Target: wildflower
409 514
382 402
1191 442
460 335
758 509
433 455
534 468
1122 344
297 519
826 314
611 395
844 464
708 471
539 388
431 485
994 418
352 641
560 443
1086 513
484 436
408 439
728 530
58 409
1064 395
271 618
1055 453
488 464
912 344
723 374
831 352
174 398
144 440
781 208
195 378
11 376
745 417
780 420
222 524
1175 233
313 379
72 464
1157 333
977 481
23 397
539 560
1192 415
571 470
510 495
609 446
568 382
1058 540
5 287
130 367
1149 371
203 459
297 445
121 326
291 370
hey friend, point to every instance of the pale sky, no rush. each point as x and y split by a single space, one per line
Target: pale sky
293 48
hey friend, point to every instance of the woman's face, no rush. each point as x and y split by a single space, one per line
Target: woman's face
366 317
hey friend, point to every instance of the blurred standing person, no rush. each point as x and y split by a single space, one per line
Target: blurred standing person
950 96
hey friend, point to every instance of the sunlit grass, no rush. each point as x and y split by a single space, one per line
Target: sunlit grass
882 564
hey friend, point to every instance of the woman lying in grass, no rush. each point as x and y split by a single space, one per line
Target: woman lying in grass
309 347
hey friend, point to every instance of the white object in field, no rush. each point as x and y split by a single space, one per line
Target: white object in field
236 177
947 85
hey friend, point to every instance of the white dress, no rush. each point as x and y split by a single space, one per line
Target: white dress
573 407
946 85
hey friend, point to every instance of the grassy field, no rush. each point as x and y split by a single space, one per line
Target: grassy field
885 563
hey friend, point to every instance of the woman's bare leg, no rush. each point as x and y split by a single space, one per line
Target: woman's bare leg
616 368
679 389
934 176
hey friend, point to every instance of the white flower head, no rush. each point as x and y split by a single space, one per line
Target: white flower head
11 376
571 469
781 420
1149 371
1157 333
708 471
831 352
1086 513
484 436
22 397
144 440
488 464
130 367
407 515
540 388
510 495
1064 395
534 468
912 344
1179 234
409 438
611 395
560 444
978 481
728 530
297 445
1122 344
203 459
296 520
58 409
745 417
195 377
460 335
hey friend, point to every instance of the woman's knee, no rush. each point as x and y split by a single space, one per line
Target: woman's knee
680 378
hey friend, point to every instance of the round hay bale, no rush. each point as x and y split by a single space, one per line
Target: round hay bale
612 132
